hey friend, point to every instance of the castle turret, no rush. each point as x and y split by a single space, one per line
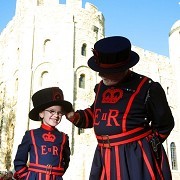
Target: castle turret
74 3
174 52
174 41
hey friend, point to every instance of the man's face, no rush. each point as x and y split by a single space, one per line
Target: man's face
113 78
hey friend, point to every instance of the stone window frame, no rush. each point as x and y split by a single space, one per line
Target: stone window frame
173 156
84 49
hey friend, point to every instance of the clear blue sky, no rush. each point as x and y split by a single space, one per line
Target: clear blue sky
145 22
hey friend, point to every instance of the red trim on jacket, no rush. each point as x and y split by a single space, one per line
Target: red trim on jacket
21 173
34 144
145 157
46 169
63 142
48 128
124 120
123 138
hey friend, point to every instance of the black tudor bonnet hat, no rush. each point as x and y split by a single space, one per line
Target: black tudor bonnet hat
113 54
45 98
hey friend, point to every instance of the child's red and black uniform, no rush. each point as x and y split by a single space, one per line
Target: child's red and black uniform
49 154
131 120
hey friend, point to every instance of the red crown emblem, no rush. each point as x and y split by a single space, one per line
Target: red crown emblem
112 95
49 137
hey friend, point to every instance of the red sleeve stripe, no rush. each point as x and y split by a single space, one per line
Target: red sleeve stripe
87 120
21 173
89 111
21 170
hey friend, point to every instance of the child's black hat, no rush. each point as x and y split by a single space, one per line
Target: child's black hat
45 98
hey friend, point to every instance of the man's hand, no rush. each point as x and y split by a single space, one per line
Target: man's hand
74 117
70 115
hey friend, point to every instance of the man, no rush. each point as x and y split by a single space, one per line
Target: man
130 115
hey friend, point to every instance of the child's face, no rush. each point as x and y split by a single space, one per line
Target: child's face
52 115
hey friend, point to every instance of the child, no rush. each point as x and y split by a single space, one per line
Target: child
46 147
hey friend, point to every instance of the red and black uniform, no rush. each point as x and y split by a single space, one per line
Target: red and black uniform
49 153
131 120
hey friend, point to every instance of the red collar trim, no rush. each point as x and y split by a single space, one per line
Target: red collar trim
48 128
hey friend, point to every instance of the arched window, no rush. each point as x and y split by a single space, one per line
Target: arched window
47 48
44 80
16 85
173 156
167 90
82 81
96 29
83 50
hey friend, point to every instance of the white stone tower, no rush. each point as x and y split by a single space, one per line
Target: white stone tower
47 44
174 52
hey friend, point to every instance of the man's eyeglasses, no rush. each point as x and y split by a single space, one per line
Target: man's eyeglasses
52 112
